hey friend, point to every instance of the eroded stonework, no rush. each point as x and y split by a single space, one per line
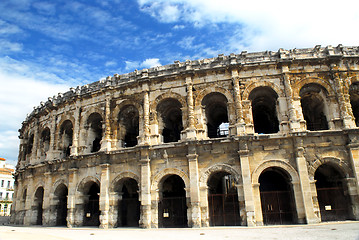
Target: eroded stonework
245 139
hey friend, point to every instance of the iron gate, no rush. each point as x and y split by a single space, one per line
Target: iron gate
333 204
172 212
92 213
129 212
223 210
277 207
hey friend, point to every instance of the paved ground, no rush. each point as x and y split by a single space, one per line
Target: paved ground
339 230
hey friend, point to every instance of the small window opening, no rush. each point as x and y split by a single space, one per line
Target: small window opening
264 103
129 122
312 101
171 115
216 115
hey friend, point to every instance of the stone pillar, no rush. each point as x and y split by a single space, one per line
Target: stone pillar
106 140
194 187
35 156
49 218
353 149
295 124
240 125
53 145
71 197
146 116
28 204
247 184
305 187
191 130
145 197
76 132
104 196
344 102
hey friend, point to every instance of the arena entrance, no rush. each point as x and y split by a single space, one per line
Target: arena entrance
334 204
223 200
172 207
61 193
129 205
92 206
38 202
276 197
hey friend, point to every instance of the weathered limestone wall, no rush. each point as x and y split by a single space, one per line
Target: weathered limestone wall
167 132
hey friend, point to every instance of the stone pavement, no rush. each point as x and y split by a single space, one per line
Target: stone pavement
348 230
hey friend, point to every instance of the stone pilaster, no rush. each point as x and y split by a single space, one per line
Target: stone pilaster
146 116
35 155
305 187
105 196
106 139
28 203
194 187
48 219
76 132
53 143
145 220
250 208
240 125
191 130
71 197
295 124
344 102
353 149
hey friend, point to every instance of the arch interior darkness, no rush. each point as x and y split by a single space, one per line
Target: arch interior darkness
171 116
172 207
39 201
61 193
129 204
223 200
332 194
92 207
276 197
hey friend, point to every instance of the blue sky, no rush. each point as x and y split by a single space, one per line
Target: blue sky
48 46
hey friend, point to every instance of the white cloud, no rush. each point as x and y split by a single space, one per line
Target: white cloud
19 93
151 62
6 46
148 63
261 25
110 63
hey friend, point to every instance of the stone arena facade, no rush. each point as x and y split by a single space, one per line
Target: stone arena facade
244 139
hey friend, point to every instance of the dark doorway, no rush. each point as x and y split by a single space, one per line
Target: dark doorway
264 104
61 206
313 105
216 114
334 202
129 124
129 205
354 101
276 197
172 207
92 206
170 113
223 200
39 199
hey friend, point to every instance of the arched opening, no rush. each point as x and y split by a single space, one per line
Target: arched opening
354 101
216 114
264 110
333 199
128 204
128 119
277 199
60 200
65 137
45 142
170 119
223 200
30 145
313 99
91 204
172 207
38 205
94 135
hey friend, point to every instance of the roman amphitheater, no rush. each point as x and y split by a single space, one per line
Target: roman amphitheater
244 139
